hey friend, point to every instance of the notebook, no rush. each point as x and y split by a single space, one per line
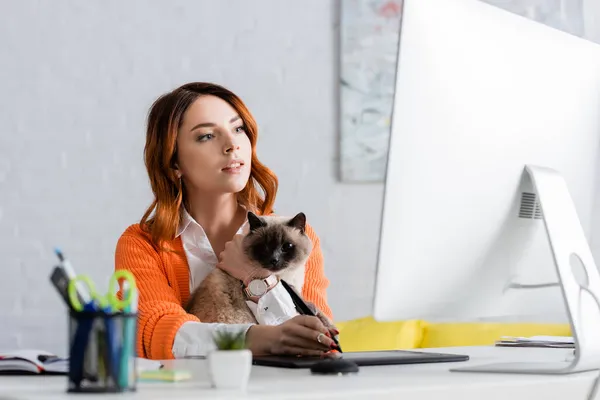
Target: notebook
32 362
564 342
42 362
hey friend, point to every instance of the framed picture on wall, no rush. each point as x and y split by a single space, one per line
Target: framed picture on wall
369 49
368 42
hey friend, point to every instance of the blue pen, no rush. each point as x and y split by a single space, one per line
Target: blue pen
79 345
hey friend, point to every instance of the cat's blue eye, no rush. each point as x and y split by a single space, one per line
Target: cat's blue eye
204 138
287 246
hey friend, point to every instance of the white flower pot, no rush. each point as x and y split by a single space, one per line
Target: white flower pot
230 369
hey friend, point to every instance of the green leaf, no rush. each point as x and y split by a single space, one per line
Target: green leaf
230 340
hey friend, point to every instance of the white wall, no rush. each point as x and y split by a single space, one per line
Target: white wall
76 81
591 9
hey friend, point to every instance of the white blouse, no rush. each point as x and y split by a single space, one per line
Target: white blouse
195 338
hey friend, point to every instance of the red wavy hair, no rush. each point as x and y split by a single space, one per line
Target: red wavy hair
160 153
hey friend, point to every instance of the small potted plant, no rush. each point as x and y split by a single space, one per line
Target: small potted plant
229 365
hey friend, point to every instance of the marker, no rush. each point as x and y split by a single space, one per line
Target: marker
60 280
84 295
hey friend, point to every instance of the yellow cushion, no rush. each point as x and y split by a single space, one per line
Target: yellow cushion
366 334
484 333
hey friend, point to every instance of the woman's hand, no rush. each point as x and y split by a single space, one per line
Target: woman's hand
301 335
233 261
327 323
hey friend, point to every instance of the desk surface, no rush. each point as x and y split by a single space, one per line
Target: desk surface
420 381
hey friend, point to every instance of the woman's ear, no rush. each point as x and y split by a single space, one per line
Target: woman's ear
177 170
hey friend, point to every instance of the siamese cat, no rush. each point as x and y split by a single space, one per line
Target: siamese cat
275 243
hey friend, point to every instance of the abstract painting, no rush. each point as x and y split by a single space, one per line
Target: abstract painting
369 46
369 43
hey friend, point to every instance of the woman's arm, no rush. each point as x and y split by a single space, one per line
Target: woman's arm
165 329
315 281
159 305
196 338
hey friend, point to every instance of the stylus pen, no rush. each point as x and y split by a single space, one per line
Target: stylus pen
304 309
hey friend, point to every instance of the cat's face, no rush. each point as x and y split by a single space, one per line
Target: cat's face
277 243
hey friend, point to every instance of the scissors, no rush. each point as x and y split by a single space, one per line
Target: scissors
108 304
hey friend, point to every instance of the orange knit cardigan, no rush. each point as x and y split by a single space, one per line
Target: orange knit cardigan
162 279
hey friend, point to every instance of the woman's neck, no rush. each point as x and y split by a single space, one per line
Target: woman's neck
220 216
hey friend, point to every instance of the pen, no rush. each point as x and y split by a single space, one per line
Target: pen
303 308
127 365
84 296
79 345
60 280
66 264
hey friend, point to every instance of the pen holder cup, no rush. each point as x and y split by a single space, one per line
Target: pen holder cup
102 356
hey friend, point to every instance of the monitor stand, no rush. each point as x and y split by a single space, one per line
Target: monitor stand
569 247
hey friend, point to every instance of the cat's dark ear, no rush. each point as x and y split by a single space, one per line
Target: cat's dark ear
298 222
255 222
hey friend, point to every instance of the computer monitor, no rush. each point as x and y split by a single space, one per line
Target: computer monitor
493 150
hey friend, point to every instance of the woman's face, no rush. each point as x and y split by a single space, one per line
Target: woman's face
214 152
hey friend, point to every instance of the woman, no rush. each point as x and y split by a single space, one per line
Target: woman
200 155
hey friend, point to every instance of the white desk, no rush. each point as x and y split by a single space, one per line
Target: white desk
421 381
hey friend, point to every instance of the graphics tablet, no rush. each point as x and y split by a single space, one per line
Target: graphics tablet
362 358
